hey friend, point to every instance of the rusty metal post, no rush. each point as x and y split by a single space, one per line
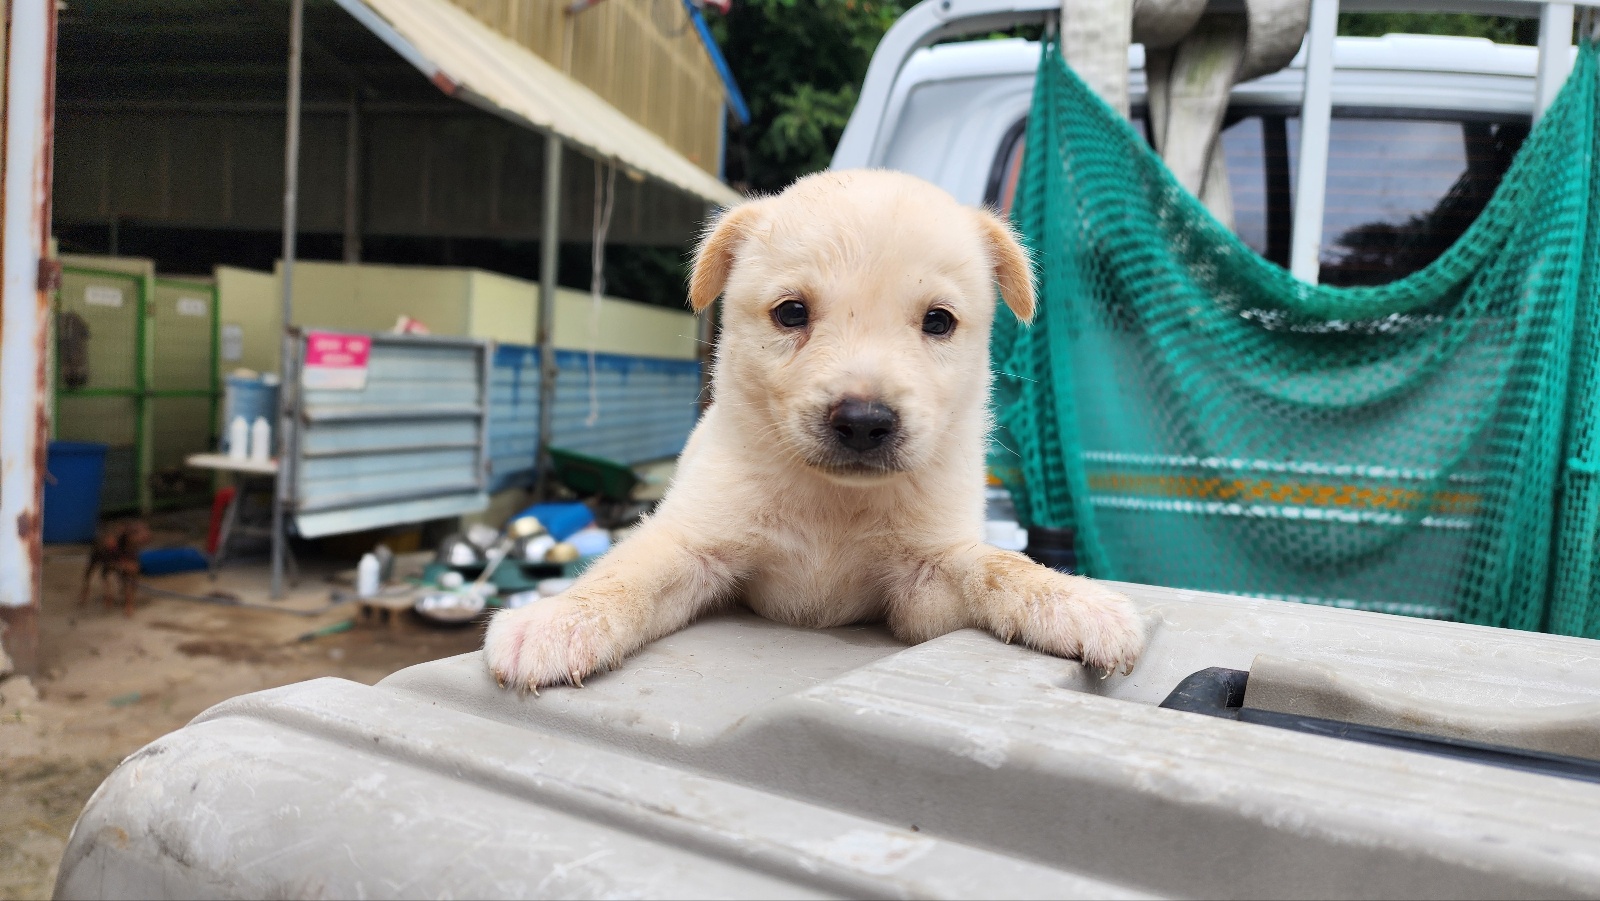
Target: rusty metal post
26 282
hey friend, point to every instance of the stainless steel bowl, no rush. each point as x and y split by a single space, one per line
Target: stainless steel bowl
524 527
458 551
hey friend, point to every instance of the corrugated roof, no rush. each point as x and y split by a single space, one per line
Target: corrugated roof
469 60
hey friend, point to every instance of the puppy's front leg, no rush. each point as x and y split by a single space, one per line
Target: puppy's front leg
1012 597
650 585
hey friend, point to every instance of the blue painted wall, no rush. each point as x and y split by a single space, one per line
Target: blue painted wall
646 407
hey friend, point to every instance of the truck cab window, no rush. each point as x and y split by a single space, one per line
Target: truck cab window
1400 190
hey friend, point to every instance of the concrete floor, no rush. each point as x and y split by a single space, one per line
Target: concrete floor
110 684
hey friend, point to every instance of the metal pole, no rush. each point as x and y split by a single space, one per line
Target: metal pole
1316 117
26 282
291 193
1555 54
549 243
706 332
352 182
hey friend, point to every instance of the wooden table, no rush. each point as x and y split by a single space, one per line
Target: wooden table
390 608
243 471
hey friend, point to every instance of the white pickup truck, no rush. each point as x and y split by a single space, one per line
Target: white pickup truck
1422 130
1413 118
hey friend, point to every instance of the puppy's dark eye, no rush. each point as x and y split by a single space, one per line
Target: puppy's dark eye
938 322
791 314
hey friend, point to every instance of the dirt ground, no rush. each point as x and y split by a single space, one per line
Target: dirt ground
111 684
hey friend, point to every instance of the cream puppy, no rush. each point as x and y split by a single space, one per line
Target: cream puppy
838 475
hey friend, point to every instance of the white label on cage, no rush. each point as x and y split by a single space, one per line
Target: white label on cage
102 296
232 342
192 306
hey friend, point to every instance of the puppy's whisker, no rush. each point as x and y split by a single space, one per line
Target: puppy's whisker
775 430
1013 375
786 441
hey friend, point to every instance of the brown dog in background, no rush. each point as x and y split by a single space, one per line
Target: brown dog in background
116 551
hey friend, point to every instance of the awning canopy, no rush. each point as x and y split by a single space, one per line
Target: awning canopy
469 60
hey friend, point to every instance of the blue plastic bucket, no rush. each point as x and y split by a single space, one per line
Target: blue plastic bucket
77 470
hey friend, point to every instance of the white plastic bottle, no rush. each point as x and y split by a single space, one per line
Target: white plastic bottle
261 440
367 576
238 438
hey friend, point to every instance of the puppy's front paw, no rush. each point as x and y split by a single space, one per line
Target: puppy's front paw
1107 628
548 642
1069 616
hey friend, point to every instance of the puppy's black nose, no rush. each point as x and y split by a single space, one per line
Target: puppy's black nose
862 425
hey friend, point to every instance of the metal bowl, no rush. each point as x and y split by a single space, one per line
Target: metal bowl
525 527
458 551
451 607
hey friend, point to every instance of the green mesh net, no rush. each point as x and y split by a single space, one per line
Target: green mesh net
1202 419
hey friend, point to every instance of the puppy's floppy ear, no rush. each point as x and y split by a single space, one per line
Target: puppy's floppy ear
714 260
1012 269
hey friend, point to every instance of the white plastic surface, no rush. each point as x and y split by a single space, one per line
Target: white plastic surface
741 758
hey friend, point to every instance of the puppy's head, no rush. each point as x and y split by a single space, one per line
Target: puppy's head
857 310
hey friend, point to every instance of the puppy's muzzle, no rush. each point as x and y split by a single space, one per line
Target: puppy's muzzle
863 425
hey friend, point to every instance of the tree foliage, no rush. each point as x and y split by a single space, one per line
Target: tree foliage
1500 29
800 64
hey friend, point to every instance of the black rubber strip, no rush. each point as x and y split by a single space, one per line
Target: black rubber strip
1219 692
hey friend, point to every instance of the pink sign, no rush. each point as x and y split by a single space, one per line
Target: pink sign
336 362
